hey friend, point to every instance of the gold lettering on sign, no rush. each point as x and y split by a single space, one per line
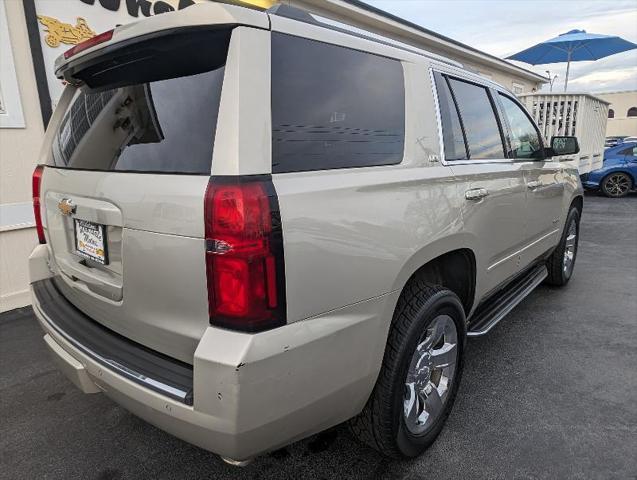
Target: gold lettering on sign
58 32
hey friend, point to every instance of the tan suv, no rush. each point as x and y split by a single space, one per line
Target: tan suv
257 225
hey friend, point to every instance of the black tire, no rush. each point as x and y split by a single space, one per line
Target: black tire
559 275
381 424
616 184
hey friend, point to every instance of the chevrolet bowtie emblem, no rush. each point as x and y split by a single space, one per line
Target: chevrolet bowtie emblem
66 206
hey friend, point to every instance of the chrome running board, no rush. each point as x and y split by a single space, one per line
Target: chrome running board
495 308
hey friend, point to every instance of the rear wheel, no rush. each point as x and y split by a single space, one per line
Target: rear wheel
616 185
561 263
420 374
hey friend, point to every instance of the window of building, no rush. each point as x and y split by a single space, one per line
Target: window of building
453 139
611 113
482 132
632 112
334 107
525 140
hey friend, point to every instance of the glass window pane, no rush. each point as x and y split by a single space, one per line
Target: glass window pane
451 130
333 107
479 121
525 141
146 113
164 126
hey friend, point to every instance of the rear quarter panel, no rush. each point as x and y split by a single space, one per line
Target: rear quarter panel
572 188
350 236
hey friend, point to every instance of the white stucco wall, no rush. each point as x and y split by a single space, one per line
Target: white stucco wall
620 102
19 148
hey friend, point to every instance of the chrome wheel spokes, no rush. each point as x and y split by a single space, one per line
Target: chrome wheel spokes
570 248
430 374
617 185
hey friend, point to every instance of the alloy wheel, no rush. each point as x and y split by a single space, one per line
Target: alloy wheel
617 185
430 375
570 248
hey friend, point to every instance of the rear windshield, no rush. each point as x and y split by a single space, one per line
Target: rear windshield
161 122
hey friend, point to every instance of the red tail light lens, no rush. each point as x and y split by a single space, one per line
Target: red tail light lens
36 180
91 42
244 254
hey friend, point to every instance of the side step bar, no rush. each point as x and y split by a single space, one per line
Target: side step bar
494 309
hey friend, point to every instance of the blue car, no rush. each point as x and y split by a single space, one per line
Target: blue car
618 175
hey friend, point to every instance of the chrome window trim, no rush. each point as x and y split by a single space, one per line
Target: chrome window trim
462 75
434 92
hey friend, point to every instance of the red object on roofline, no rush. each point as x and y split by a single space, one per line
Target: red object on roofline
91 42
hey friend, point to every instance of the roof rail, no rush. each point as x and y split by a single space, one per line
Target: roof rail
301 15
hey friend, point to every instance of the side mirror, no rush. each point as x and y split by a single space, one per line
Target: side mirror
563 146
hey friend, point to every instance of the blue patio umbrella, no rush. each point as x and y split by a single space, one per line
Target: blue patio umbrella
573 46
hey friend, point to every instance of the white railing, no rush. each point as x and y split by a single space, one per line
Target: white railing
572 114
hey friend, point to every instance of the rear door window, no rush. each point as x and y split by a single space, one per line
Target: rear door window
158 114
481 128
334 107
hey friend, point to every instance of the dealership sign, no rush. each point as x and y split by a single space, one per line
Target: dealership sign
64 23
56 25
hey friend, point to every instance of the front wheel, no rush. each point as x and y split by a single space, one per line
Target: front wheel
616 185
420 374
561 263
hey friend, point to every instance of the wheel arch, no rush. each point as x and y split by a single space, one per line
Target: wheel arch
577 202
453 269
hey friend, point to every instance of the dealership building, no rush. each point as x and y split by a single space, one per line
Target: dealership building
34 32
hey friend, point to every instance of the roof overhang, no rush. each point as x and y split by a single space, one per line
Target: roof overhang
362 15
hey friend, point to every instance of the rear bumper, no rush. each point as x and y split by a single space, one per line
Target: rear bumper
589 181
142 365
592 179
252 393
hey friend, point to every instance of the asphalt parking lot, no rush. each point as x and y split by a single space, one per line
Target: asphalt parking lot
550 393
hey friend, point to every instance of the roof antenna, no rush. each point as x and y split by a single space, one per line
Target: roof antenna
294 13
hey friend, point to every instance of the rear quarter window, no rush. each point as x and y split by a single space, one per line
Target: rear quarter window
453 138
334 107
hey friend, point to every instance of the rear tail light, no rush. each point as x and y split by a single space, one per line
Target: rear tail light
244 254
36 181
91 42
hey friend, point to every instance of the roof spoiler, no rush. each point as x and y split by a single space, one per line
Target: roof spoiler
212 15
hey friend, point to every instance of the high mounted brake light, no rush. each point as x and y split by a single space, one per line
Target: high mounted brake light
91 42
36 181
244 254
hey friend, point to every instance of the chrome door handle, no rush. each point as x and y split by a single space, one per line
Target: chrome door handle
476 193
533 185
